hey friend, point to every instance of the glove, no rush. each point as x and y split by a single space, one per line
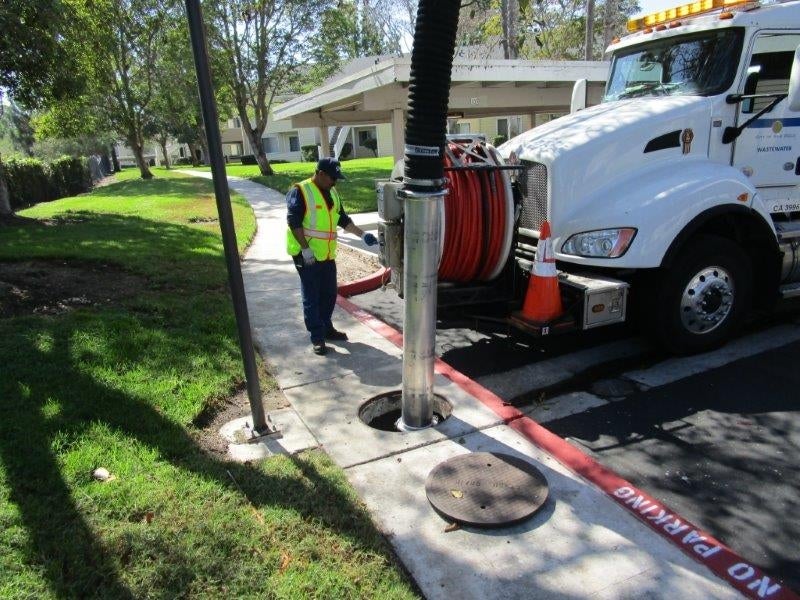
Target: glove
369 239
308 257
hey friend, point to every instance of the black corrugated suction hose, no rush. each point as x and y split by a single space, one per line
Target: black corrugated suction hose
429 92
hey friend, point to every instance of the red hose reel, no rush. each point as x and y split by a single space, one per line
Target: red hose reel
478 213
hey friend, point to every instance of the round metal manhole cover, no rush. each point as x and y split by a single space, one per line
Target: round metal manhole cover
486 489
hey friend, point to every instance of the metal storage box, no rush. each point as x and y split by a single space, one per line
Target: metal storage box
390 206
604 299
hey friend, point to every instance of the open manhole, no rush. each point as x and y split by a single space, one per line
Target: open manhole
384 410
486 489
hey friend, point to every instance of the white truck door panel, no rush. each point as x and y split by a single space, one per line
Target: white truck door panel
768 150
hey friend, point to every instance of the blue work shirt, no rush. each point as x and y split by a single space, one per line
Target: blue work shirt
297 209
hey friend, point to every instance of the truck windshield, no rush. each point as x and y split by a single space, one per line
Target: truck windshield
696 65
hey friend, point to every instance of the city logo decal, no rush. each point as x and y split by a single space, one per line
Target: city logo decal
777 126
686 138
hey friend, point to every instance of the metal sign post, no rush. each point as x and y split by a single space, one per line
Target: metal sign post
261 424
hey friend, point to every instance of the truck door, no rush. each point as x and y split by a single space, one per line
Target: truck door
768 150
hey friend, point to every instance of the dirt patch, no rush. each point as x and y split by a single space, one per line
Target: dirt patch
211 420
53 287
352 265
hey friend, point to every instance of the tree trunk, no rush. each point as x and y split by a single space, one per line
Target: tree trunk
163 144
609 12
193 153
509 18
204 145
114 160
258 151
5 198
589 41
138 153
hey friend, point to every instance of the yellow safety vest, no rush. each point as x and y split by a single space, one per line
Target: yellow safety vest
319 222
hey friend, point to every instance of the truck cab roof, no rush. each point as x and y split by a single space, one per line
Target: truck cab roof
784 15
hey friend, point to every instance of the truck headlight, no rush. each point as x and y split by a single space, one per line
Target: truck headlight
603 243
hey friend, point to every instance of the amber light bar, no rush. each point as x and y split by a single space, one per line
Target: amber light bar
681 12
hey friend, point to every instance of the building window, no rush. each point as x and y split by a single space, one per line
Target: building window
462 128
270 145
181 151
294 143
363 136
237 122
542 118
502 127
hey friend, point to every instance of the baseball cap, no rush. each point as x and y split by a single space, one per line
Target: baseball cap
331 167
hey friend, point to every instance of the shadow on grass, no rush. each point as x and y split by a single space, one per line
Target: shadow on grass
172 252
43 366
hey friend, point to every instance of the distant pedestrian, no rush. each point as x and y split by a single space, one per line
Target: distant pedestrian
314 212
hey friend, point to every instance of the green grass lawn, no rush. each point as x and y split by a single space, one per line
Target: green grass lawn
118 386
357 191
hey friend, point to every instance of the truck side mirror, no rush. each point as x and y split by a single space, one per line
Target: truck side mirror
578 101
794 83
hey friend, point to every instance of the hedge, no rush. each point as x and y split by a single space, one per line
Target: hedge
31 181
310 153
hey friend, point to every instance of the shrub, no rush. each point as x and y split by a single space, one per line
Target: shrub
183 160
31 181
278 161
249 159
347 150
372 144
310 153
28 182
499 139
70 176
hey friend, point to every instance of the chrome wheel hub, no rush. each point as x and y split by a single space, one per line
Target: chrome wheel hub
707 300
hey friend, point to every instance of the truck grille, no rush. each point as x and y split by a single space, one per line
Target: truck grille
534 185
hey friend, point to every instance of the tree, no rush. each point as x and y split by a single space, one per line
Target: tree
347 31
372 144
263 44
34 40
72 126
551 29
121 40
175 109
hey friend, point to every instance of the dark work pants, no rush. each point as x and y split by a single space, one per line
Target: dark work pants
318 288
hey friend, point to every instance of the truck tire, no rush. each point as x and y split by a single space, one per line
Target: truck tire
701 300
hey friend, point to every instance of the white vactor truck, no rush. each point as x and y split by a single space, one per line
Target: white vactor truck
676 199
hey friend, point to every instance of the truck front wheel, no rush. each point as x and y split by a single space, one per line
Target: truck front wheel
701 300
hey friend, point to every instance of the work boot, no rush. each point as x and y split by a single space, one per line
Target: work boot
319 348
335 334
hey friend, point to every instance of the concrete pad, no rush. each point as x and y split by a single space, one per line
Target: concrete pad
294 437
579 544
330 408
544 374
679 368
563 406
286 345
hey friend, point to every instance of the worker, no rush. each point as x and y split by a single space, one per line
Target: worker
314 211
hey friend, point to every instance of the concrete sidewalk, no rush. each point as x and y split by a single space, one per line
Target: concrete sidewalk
580 545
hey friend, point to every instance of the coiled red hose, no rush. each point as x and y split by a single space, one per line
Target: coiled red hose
475 219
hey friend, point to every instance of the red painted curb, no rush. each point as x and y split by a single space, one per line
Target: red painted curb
365 284
693 541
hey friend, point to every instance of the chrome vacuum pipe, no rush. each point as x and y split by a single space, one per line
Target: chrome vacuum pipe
420 276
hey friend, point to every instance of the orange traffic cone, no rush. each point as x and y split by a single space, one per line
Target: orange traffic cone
543 299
